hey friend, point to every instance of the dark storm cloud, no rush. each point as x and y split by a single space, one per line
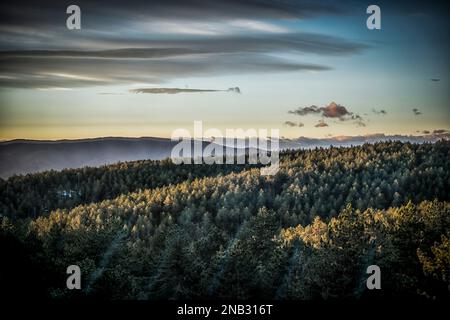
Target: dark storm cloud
180 90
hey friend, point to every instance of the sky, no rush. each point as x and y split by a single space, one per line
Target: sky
146 68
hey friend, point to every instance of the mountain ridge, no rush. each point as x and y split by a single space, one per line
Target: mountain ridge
22 156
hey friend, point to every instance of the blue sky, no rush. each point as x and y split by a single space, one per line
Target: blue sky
57 83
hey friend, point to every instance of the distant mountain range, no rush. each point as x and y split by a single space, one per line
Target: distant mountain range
28 156
337 141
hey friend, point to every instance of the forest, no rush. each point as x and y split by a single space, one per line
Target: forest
155 230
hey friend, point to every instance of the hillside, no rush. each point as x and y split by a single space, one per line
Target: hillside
31 156
306 233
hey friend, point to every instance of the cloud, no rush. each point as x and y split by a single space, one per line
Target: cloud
149 44
290 124
435 79
321 124
293 124
124 53
48 12
124 45
179 90
141 23
379 112
436 132
258 26
46 72
305 111
440 131
333 111
235 90
416 112
360 123
164 60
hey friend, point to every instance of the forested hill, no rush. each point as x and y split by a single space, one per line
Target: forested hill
311 182
37 194
307 232
31 156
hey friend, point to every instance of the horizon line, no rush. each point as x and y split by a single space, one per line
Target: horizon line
431 134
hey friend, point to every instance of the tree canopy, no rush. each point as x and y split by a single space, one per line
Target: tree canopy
155 230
